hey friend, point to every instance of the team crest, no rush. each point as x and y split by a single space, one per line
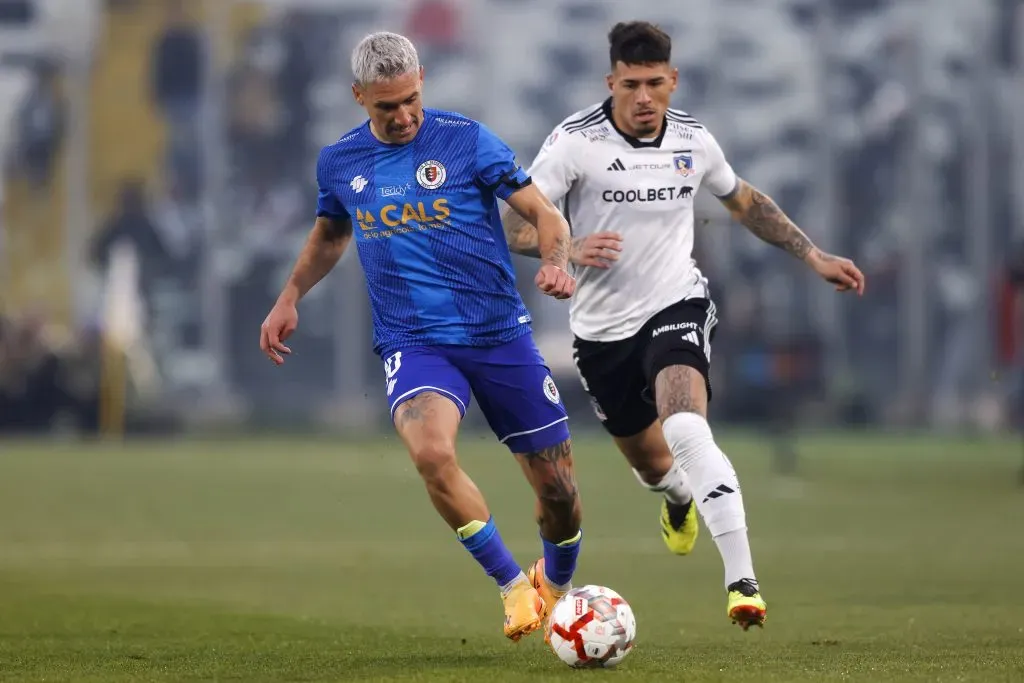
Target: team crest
431 174
550 390
684 164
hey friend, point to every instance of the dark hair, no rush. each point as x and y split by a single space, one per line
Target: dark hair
638 42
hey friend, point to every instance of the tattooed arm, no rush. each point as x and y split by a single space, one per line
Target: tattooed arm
553 239
551 474
599 249
522 237
763 217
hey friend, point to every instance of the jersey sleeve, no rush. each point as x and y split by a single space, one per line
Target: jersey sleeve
496 166
553 169
327 204
719 178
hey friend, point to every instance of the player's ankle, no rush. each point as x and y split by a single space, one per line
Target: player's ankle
511 585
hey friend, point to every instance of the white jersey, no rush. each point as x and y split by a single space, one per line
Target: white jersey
644 190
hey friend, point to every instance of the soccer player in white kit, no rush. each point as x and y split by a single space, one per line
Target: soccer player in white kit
642 316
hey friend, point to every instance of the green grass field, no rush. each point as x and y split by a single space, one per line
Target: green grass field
893 559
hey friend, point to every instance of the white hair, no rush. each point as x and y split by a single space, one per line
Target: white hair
382 56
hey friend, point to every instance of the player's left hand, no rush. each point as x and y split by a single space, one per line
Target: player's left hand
841 272
275 330
555 282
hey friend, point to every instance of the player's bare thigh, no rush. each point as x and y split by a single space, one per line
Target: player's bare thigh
428 424
680 389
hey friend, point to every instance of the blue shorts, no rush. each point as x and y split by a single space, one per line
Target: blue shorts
511 383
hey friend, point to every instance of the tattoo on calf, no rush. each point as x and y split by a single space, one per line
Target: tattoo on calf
553 468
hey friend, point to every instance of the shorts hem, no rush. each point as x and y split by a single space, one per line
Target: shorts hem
623 433
412 393
536 438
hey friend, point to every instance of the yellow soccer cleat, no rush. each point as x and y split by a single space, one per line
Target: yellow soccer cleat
548 594
679 526
746 607
523 608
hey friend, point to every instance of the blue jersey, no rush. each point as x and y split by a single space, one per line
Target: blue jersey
428 231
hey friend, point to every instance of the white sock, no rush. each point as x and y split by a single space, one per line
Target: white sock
673 486
735 550
716 490
512 584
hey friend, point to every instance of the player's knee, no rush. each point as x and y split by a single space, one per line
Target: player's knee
648 454
651 466
435 462
650 477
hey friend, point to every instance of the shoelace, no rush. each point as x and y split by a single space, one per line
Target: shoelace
744 586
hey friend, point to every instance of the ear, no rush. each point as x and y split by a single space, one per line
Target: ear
422 71
610 80
675 78
357 94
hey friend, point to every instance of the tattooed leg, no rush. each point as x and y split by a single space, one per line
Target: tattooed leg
428 424
550 473
680 389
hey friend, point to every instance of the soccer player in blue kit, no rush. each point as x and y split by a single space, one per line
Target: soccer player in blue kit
418 189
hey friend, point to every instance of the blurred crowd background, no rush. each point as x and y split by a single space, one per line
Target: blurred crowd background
891 130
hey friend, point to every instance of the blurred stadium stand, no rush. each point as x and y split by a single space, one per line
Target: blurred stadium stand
893 132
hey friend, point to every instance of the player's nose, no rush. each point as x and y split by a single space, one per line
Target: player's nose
403 117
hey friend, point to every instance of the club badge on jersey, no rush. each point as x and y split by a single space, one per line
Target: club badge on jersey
431 174
683 163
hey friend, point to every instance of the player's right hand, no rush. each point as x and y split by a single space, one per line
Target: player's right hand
555 282
279 325
600 249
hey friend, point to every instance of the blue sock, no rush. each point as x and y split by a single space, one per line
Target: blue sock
485 545
560 560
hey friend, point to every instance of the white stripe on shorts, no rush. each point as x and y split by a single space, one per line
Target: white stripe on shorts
534 431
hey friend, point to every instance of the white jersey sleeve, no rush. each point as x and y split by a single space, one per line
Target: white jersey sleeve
554 170
719 178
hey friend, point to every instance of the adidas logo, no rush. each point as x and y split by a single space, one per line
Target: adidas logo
692 338
718 492
617 165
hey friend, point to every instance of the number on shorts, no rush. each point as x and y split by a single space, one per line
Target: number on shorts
392 364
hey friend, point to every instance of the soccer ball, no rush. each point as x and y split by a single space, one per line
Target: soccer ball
592 626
